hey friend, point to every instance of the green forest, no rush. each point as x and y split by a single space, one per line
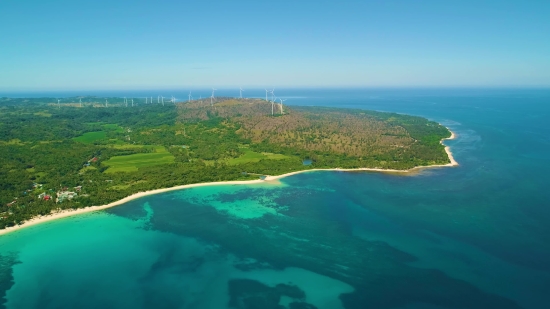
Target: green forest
83 152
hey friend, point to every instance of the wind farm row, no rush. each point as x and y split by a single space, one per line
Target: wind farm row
160 100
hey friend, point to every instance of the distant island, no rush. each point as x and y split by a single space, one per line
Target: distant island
86 151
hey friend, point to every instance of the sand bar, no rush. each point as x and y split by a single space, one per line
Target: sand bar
70 212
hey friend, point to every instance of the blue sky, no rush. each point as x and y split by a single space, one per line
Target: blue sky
123 44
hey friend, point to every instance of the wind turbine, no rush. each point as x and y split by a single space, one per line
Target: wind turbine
189 100
106 103
162 99
272 101
145 100
158 99
132 102
266 91
58 106
80 99
212 97
281 105
241 92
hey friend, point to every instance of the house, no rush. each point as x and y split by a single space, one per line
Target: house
65 195
44 196
78 188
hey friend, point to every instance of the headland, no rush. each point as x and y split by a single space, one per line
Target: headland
59 214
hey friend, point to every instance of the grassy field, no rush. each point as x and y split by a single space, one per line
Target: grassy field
251 156
112 127
131 163
91 137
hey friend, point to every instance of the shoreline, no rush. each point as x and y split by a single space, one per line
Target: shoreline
70 212
375 169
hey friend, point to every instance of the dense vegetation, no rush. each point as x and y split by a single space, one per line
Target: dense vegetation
104 154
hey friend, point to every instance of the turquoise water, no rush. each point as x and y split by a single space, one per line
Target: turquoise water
474 236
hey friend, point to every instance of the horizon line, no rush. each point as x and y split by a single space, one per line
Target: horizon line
499 87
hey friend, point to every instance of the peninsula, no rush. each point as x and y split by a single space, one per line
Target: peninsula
61 159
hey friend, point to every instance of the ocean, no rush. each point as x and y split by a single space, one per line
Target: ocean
472 236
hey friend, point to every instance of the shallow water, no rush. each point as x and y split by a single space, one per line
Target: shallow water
473 236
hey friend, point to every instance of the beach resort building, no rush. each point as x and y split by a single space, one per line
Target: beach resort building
65 195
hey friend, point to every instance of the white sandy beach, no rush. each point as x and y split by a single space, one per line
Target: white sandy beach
70 212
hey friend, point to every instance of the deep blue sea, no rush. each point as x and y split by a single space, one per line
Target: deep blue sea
472 236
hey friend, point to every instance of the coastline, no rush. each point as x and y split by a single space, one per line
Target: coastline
383 170
70 212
